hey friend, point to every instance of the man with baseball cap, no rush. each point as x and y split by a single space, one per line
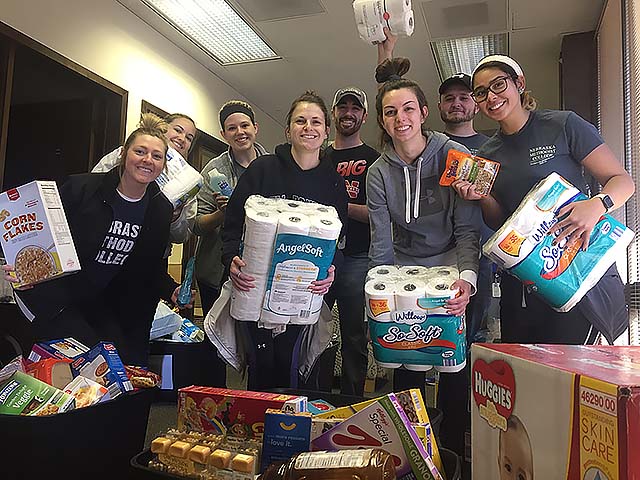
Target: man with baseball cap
351 157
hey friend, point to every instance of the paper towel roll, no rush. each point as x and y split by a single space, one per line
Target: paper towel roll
293 222
325 226
408 293
380 299
413 271
260 228
390 272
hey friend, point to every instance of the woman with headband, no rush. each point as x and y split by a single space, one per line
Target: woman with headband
530 145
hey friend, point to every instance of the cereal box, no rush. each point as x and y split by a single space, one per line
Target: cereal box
463 166
21 394
383 424
237 413
102 364
555 411
35 234
68 348
285 434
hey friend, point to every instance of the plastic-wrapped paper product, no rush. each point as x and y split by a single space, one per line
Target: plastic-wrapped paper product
179 181
388 272
560 274
372 15
408 321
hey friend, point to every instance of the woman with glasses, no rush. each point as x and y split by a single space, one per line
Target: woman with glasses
530 144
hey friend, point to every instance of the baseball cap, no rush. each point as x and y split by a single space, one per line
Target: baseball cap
505 60
355 92
457 79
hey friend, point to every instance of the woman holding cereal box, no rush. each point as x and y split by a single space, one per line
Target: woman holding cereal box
530 145
120 226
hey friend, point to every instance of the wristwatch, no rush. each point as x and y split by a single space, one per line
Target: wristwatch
606 201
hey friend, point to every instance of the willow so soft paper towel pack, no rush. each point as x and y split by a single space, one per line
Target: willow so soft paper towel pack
560 274
287 244
408 322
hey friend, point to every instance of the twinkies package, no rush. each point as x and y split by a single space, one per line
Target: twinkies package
287 244
179 181
561 274
36 238
408 321
383 424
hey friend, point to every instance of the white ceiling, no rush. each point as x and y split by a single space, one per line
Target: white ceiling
322 51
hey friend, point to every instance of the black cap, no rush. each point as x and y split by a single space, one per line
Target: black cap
457 79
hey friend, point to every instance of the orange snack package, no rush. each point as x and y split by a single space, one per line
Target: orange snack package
464 166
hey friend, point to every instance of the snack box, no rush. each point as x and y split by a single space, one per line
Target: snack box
102 364
36 238
86 392
464 166
54 371
564 412
383 424
285 435
321 425
319 406
21 394
68 348
236 413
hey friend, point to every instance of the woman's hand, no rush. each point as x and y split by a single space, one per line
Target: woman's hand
466 190
578 224
385 49
241 281
174 299
321 287
221 201
456 306
10 276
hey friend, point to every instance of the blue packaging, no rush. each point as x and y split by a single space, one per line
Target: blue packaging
184 296
285 435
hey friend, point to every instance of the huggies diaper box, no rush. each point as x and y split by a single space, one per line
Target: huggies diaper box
555 412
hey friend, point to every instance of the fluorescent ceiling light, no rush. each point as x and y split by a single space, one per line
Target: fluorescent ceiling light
216 28
463 54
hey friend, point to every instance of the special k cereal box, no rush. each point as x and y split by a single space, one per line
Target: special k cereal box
35 234
555 412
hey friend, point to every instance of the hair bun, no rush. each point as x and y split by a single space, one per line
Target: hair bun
392 69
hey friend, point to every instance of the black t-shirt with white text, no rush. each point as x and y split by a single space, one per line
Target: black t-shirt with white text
352 164
472 142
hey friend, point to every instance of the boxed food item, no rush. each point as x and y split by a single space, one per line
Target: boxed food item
68 348
556 411
285 434
54 371
383 424
236 413
319 406
22 394
36 238
102 364
476 170
86 392
321 425
561 274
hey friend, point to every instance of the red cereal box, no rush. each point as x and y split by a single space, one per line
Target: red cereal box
236 413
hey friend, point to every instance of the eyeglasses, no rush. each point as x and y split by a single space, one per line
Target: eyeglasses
498 85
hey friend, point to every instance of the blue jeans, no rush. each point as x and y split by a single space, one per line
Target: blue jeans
348 291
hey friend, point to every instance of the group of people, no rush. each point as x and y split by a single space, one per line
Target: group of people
390 202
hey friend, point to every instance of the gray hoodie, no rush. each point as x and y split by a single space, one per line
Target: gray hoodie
209 268
434 227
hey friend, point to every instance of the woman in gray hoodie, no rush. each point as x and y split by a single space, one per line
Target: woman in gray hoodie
414 220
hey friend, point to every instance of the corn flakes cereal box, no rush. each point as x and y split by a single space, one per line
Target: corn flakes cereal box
36 238
555 411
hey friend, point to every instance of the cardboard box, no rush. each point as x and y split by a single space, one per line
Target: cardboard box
21 394
236 413
102 364
36 238
556 412
285 435
66 348
54 371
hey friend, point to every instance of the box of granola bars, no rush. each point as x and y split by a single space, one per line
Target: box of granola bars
36 238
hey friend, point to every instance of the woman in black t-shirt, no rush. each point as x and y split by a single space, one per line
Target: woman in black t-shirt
529 145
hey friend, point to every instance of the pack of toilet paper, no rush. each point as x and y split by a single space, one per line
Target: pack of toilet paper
287 244
408 321
561 274
179 181
372 15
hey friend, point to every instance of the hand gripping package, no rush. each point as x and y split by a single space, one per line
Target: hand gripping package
560 274
287 244
36 238
408 321
373 15
555 412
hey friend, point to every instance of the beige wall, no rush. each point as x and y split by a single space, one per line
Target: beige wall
107 39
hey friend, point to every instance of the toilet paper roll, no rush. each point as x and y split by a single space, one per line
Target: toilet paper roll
247 306
260 228
389 272
408 293
293 222
413 271
380 299
444 272
440 287
259 203
270 319
402 23
321 210
325 227
257 260
285 205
